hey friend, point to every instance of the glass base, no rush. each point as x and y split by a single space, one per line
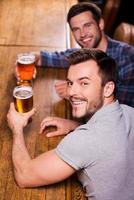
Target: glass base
25 82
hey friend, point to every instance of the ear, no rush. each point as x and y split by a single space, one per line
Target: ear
101 24
109 89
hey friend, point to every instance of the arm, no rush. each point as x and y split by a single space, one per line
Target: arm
50 59
63 126
40 170
55 59
125 86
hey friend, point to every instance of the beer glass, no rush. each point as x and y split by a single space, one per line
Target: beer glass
23 98
25 66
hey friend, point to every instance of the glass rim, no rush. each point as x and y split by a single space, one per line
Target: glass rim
23 87
26 58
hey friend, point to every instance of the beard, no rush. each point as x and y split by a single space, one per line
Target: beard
95 43
83 119
92 108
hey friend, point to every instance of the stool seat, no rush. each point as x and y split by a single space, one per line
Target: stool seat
124 32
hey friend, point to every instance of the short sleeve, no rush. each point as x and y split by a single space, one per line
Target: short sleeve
77 148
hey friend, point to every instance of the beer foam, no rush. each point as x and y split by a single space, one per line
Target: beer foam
26 58
24 92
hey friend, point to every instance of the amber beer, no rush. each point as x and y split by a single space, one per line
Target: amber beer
23 98
25 66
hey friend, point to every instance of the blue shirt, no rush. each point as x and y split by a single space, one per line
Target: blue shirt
124 57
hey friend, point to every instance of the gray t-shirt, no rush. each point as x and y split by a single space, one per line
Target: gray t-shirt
103 153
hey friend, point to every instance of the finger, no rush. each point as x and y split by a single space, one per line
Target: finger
62 93
35 72
47 119
31 113
61 88
37 57
42 129
61 82
38 61
12 107
46 124
17 73
53 133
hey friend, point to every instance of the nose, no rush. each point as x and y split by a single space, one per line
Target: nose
82 32
72 90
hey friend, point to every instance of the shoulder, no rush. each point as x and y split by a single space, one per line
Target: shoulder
79 135
119 45
128 113
122 52
74 147
127 109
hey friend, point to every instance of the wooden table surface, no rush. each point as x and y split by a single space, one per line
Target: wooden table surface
29 26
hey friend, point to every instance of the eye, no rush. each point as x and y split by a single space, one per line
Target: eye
88 25
84 84
75 29
69 83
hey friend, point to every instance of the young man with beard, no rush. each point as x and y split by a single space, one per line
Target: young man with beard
87 25
100 151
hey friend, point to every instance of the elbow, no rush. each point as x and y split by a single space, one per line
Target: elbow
24 175
22 180
21 185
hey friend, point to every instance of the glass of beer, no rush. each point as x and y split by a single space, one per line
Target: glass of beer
23 98
25 66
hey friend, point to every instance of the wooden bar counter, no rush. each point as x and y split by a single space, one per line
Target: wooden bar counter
47 103
31 26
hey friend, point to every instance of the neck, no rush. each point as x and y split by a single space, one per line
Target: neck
109 100
103 43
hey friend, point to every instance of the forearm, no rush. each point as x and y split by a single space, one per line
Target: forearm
55 59
45 169
20 157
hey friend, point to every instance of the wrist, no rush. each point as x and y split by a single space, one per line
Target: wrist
17 131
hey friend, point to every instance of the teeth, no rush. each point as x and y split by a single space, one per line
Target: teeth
77 102
86 40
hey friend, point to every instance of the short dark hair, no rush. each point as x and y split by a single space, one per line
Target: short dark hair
83 7
107 65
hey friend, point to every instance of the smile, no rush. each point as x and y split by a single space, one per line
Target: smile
77 103
86 40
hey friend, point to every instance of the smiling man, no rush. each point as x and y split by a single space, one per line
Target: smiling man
82 89
100 151
87 32
87 26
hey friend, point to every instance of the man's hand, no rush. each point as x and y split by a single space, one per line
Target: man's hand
61 89
17 121
37 63
63 126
